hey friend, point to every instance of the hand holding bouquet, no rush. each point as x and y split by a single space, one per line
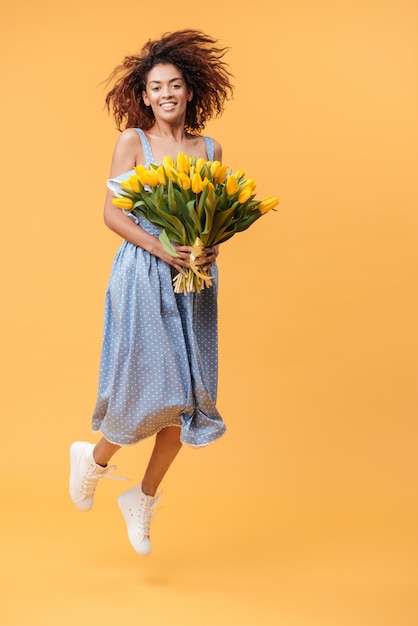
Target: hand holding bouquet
196 203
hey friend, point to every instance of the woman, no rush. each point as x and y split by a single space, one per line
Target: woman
158 373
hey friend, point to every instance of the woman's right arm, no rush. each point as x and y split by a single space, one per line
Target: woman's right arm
127 154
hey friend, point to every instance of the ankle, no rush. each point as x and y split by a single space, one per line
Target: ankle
98 459
148 489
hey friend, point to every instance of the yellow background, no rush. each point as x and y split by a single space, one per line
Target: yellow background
305 514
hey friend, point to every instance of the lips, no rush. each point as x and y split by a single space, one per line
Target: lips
168 106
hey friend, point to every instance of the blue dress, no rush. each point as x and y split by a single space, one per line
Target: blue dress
159 361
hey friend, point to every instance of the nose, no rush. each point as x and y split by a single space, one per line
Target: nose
166 91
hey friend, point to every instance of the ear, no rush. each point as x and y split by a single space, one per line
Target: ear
189 95
145 98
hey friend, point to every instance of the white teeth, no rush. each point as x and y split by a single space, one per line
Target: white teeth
168 105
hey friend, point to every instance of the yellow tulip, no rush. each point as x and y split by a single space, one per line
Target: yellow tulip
170 171
134 183
168 162
123 203
197 184
245 194
250 183
214 169
221 175
184 181
207 183
140 171
183 163
151 178
125 184
267 204
161 175
232 186
239 174
200 164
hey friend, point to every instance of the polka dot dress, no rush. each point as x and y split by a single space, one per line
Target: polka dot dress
159 357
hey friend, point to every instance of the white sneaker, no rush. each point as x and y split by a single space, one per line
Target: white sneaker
85 473
138 511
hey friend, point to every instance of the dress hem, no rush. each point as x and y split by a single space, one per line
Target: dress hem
185 443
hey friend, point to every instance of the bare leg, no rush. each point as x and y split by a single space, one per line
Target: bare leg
103 451
167 445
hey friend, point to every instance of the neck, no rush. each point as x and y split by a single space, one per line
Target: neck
168 131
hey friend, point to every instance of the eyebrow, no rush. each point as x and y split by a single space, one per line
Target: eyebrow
158 82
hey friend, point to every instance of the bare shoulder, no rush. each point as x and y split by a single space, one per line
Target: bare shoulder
217 150
216 146
127 153
128 139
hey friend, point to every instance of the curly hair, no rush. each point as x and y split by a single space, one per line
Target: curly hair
200 61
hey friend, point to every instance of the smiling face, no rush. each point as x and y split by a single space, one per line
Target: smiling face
167 93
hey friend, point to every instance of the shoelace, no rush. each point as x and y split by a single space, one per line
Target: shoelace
91 479
147 515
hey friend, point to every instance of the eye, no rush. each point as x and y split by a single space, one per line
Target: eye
155 88
176 85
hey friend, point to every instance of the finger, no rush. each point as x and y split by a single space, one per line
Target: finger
184 256
180 262
180 269
211 251
209 260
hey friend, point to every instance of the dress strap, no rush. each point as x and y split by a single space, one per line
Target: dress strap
210 148
149 158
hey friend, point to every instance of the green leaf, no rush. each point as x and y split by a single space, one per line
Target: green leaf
159 197
172 204
222 218
167 245
194 219
207 225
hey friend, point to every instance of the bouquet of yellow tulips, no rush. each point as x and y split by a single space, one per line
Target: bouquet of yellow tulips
196 203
